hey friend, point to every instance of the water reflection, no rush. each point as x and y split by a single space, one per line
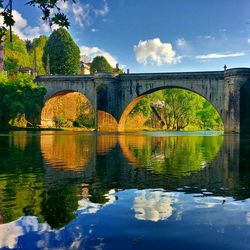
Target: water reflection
185 215
67 152
153 205
175 155
54 184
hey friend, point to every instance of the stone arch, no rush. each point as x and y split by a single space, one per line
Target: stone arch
62 101
128 108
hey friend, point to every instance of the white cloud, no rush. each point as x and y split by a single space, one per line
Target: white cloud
104 11
91 52
181 42
81 14
63 6
25 31
248 40
218 56
155 52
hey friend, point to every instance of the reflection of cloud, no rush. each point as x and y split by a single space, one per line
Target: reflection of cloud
10 232
87 207
153 205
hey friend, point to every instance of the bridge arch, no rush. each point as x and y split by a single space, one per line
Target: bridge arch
64 103
131 104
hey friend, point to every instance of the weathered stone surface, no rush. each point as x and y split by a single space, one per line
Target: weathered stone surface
117 95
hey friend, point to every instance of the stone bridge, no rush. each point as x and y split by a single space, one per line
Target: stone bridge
113 97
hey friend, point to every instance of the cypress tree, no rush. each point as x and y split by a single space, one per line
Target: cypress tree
63 53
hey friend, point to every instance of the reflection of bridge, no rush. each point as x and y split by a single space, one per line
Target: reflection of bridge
145 161
113 97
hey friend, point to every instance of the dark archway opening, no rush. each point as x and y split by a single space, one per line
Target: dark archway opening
245 108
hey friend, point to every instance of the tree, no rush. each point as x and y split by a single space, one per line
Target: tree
37 51
19 96
15 55
100 64
63 53
179 109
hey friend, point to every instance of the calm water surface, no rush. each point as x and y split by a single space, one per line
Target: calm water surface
71 190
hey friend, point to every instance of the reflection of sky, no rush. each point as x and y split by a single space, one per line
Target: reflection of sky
123 218
10 232
153 205
87 207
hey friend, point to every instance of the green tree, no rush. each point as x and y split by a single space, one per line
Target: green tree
63 53
37 51
209 117
20 96
179 109
15 55
100 64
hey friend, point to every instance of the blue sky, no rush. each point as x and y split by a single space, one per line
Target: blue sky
153 35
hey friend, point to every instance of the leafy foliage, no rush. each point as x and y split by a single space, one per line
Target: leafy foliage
19 96
100 64
15 55
62 52
179 109
85 120
37 51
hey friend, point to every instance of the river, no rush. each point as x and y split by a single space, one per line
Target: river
149 190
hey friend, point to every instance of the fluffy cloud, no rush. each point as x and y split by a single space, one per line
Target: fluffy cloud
91 52
81 13
218 56
25 31
155 52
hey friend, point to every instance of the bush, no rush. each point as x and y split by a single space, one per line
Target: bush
87 121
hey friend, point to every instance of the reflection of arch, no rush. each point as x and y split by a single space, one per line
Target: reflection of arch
177 156
105 143
66 103
132 104
71 153
127 152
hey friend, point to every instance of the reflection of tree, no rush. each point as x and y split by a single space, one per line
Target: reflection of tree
22 176
58 205
174 155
